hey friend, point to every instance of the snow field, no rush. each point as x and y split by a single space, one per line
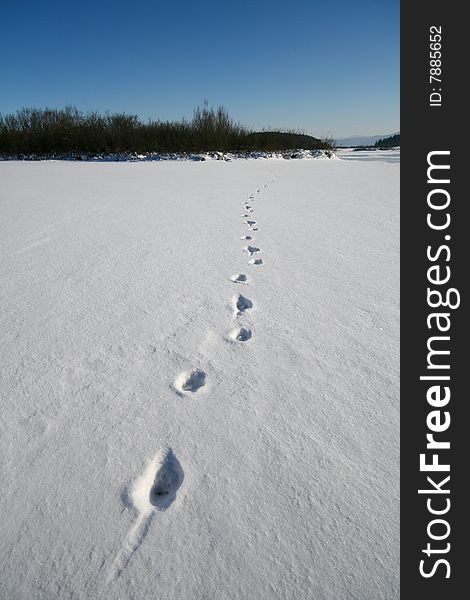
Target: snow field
185 417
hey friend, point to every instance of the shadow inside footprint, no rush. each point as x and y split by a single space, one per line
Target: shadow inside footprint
242 303
168 479
256 261
251 250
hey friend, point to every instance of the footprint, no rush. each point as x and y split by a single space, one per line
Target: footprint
190 381
246 237
247 206
255 261
253 229
154 491
245 216
168 479
251 250
250 222
240 278
241 304
242 334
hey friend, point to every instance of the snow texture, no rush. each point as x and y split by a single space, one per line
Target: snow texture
185 417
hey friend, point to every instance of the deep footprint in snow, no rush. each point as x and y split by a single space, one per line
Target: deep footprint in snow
250 223
190 381
242 334
255 261
246 237
251 250
241 304
240 278
168 479
154 491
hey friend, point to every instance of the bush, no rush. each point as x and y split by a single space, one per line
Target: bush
32 131
328 144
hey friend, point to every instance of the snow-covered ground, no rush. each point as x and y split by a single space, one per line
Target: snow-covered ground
390 155
199 380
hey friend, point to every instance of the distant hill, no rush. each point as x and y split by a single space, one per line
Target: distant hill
363 140
279 140
389 142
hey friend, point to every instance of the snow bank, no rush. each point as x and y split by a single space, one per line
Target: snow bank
156 156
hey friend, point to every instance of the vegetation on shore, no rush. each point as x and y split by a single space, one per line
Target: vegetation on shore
32 131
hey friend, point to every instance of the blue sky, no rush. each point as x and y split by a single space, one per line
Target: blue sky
322 67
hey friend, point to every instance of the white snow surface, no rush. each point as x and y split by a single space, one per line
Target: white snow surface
388 155
172 430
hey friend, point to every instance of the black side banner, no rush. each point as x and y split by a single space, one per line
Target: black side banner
434 292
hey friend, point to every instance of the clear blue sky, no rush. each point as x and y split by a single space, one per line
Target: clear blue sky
323 67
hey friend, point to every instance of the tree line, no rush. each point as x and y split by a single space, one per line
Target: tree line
33 131
389 142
